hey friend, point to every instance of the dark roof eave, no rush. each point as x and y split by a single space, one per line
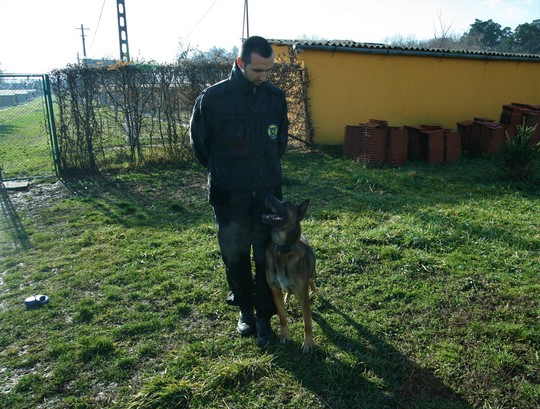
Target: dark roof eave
298 47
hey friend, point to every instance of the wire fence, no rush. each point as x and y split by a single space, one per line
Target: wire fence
25 143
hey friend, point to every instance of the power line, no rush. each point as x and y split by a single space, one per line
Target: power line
97 25
201 19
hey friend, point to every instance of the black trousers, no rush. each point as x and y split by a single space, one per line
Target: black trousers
243 240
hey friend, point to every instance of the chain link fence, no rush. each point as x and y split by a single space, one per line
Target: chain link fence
25 140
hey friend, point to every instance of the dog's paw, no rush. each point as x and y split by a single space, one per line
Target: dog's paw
307 346
306 349
284 336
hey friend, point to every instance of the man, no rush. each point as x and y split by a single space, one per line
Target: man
239 132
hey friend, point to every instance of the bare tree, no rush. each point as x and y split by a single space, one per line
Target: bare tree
441 41
442 37
399 40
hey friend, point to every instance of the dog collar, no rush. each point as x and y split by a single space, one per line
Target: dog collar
286 248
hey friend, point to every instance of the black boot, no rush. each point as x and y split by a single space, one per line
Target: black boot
265 335
246 323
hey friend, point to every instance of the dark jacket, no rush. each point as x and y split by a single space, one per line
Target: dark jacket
239 133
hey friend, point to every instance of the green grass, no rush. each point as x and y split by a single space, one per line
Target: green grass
428 293
24 144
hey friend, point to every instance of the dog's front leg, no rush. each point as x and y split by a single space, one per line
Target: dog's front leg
277 294
303 299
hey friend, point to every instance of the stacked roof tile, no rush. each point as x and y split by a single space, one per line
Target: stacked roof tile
366 142
521 114
397 146
484 135
452 146
375 142
481 135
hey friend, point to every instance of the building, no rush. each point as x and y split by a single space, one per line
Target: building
351 83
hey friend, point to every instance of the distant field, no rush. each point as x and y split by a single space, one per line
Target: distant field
24 143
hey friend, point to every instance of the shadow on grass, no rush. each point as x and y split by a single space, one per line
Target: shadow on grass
365 371
7 129
145 199
11 222
178 196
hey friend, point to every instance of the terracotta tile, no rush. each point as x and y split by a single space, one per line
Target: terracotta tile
396 154
432 144
452 146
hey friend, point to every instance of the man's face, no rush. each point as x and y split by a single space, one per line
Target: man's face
258 69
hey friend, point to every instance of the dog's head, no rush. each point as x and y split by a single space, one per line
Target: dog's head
284 212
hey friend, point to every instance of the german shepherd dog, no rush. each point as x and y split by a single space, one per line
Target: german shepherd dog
290 263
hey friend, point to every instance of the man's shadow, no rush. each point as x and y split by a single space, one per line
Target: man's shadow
11 223
364 371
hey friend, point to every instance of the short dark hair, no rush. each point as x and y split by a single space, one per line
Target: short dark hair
257 45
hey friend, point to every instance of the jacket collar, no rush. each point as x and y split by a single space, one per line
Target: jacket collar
238 78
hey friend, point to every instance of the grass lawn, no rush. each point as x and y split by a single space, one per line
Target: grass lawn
429 295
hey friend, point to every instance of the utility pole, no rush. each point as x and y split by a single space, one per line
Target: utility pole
246 21
122 30
83 43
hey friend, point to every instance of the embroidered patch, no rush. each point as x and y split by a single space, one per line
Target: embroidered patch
272 131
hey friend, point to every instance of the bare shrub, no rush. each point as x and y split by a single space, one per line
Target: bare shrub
126 115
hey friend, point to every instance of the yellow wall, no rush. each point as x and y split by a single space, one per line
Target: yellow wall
351 88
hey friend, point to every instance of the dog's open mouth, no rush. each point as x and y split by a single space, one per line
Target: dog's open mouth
272 218
276 214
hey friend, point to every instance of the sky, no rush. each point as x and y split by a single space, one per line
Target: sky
37 36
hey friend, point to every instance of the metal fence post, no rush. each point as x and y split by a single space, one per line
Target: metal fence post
47 94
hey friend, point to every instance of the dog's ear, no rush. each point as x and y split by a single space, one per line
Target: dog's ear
302 209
